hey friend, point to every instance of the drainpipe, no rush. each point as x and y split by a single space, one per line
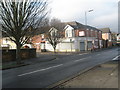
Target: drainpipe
71 44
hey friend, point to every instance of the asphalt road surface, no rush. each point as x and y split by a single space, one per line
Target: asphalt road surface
43 74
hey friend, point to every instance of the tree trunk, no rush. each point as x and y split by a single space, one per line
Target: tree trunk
54 49
18 56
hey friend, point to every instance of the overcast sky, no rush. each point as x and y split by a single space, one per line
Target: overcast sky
105 12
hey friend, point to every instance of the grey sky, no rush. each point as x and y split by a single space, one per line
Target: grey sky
105 12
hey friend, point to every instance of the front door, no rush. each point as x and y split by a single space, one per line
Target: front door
82 46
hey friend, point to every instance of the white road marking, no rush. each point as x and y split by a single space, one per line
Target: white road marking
98 54
116 58
83 54
79 60
82 59
40 70
110 51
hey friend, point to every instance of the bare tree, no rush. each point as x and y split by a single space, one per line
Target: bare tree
56 23
55 34
54 38
20 20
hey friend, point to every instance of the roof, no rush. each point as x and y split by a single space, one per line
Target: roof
93 28
105 30
52 28
118 34
75 25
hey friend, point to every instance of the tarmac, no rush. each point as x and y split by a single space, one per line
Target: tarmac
101 76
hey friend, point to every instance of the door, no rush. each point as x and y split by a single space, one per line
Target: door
82 46
89 45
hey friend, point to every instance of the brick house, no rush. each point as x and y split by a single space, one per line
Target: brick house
106 34
82 37
39 39
78 37
107 37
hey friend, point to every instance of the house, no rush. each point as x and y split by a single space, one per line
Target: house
106 34
118 39
78 37
114 38
46 45
107 37
6 43
37 40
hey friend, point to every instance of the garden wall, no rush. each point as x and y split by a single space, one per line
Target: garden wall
10 55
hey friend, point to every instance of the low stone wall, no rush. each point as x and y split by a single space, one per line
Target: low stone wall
10 55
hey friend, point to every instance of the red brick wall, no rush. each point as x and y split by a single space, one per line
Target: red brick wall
100 35
93 33
36 39
84 32
76 33
89 33
96 33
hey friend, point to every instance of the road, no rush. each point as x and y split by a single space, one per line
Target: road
43 74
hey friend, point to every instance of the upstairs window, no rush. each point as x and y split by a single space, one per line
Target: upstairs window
69 33
81 33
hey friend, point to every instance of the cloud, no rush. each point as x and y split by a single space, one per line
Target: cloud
74 10
106 19
110 20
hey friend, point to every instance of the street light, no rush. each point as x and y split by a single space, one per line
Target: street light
86 16
86 24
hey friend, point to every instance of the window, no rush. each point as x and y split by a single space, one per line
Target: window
66 33
6 40
96 34
81 33
69 33
91 32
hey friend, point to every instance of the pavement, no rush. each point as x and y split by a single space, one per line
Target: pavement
40 58
101 76
47 56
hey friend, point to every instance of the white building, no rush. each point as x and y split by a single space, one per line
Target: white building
118 38
6 43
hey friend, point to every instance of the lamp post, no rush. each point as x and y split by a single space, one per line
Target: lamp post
86 24
86 16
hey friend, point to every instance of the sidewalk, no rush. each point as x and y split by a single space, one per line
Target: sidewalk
44 57
41 57
48 56
38 59
102 76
